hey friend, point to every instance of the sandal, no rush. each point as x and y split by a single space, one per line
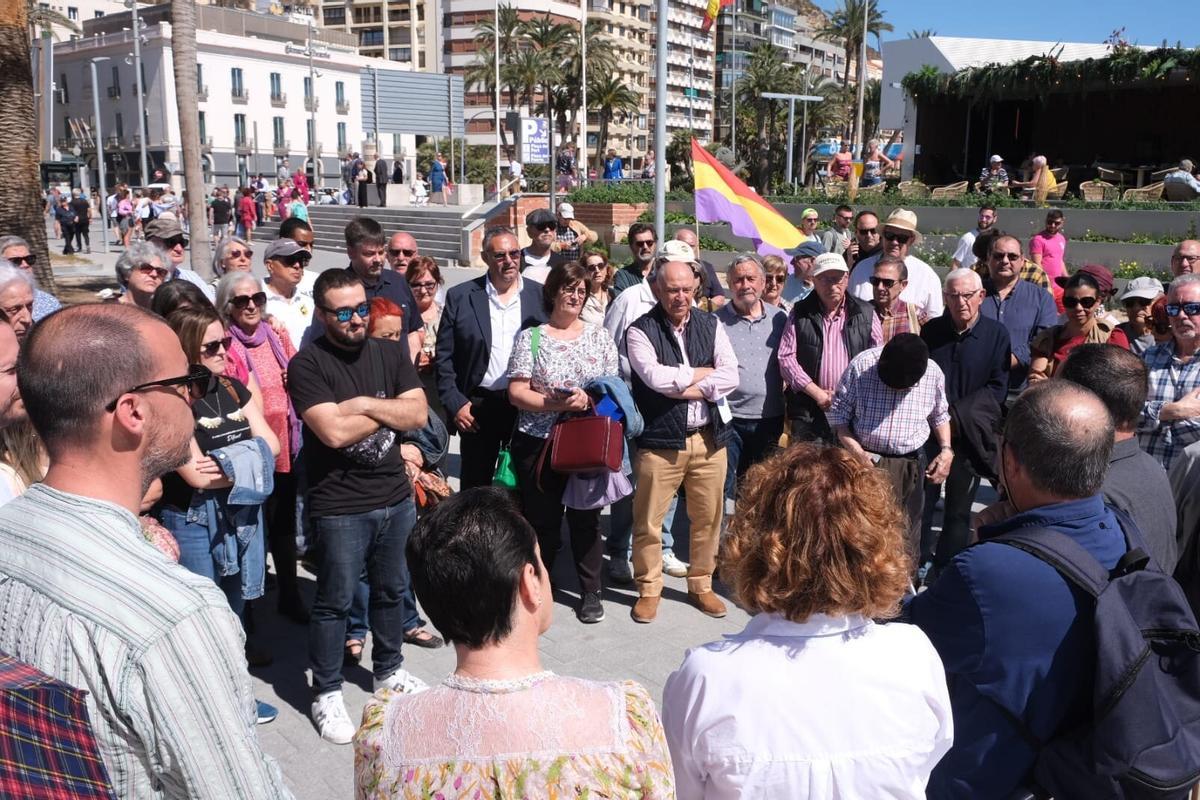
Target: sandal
354 649
423 638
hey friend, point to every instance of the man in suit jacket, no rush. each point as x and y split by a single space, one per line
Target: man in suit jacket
479 323
382 174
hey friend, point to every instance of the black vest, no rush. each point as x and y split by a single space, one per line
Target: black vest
807 319
665 417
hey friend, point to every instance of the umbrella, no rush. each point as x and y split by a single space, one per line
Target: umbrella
47 748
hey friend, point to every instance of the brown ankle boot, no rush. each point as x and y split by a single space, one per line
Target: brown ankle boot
708 603
645 609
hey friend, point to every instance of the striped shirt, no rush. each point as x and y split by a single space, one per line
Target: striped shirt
886 420
85 599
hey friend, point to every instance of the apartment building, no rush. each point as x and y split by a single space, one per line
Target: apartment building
407 31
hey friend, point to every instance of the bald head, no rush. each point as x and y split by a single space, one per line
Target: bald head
1061 436
688 237
1186 258
401 251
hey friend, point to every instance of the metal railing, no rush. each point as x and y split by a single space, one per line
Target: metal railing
279 100
343 107
240 96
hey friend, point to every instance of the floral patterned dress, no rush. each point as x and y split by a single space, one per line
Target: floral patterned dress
561 364
542 736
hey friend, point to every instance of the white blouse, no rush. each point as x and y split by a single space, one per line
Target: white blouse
835 707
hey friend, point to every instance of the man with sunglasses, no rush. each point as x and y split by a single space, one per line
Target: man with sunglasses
866 241
539 256
896 316
573 235
1170 420
924 287
837 238
480 321
402 249
1022 307
157 651
643 242
286 263
355 394
16 251
167 234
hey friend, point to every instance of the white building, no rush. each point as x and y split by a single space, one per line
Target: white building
77 12
691 70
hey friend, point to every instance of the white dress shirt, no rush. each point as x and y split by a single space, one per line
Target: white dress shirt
672 381
924 288
295 311
505 320
832 708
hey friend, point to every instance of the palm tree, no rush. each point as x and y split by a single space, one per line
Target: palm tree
767 71
846 26
19 173
600 59
550 41
524 74
481 75
610 96
183 47
923 33
871 109
485 39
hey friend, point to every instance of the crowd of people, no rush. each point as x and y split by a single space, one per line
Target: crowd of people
811 412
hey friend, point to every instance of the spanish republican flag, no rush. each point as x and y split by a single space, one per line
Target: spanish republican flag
722 197
712 12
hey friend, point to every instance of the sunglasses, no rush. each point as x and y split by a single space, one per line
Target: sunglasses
196 383
210 349
774 280
902 238
1088 302
599 265
344 315
1190 309
868 231
400 251
296 260
175 241
886 283
1006 256
239 254
548 226
425 286
845 218
243 300
152 271
28 260
1140 302
644 243
511 255
813 220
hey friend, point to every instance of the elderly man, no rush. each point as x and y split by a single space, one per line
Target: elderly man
975 355
888 403
642 243
754 329
286 261
824 331
799 282
158 653
15 250
867 240
963 255
17 288
839 235
994 177
899 235
682 368
167 234
540 256
1183 176
573 235
1170 420
1008 627
711 288
475 339
1023 308
888 282
401 250
1135 482
1185 258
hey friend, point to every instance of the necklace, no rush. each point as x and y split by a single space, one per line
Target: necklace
218 413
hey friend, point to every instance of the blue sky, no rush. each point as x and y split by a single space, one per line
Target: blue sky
1146 22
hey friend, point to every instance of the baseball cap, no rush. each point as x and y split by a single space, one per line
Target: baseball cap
282 248
1145 287
566 211
675 250
828 262
164 228
997 159
809 249
539 217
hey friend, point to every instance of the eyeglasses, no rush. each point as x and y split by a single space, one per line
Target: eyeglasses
868 231
955 297
597 266
150 270
1088 302
511 255
210 349
886 283
296 260
175 241
424 286
29 259
1006 256
644 243
776 280
1187 258
196 384
239 254
344 315
578 291
1190 309
902 238
400 251
243 300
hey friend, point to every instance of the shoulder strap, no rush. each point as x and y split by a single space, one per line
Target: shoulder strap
1063 553
535 338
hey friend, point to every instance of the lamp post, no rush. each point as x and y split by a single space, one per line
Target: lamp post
100 148
139 90
792 98
496 54
862 81
312 109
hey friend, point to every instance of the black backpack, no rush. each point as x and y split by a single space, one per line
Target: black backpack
1142 741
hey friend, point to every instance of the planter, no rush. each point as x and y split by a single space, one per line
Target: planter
610 220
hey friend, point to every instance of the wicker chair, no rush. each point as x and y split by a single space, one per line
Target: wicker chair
1058 192
1098 191
1060 174
913 190
953 190
1176 192
836 189
872 191
1147 194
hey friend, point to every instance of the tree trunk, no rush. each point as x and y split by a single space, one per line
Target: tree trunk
601 142
20 174
764 152
183 55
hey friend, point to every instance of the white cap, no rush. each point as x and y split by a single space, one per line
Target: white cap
828 262
997 159
1145 287
566 211
675 250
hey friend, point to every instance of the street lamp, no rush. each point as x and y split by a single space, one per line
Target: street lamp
100 148
139 89
792 98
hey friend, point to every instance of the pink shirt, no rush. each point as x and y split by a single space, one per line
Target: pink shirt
272 380
673 381
1052 250
834 358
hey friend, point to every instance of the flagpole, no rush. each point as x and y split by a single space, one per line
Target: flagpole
660 121
733 86
496 49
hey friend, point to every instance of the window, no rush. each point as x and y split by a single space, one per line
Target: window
277 127
119 128
340 91
99 14
341 131
116 83
235 81
641 122
239 128
203 129
335 16
72 13
276 86
370 38
308 134
199 78
397 146
307 88
64 96
400 54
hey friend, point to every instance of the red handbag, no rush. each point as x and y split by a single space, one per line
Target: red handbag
590 443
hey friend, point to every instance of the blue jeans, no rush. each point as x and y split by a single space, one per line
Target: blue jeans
348 544
195 555
751 442
360 621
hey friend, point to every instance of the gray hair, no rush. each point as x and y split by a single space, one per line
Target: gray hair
225 287
10 274
492 233
1062 435
1180 281
964 274
746 258
219 252
137 254
13 241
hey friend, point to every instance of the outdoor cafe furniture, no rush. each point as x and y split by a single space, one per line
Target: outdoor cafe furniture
1176 192
1097 191
953 190
1146 194
913 190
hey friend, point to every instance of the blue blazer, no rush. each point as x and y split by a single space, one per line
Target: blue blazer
464 340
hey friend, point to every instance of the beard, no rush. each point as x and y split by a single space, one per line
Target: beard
345 339
166 451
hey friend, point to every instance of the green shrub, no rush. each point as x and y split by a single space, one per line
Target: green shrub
712 244
630 192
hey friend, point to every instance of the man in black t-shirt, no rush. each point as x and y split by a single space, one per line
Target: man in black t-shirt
219 212
83 217
355 395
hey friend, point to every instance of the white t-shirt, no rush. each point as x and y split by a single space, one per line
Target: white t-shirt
963 253
924 287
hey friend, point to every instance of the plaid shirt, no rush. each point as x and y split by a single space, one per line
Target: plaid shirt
47 749
1170 380
900 318
884 420
567 235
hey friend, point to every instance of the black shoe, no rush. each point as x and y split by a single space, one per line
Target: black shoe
590 610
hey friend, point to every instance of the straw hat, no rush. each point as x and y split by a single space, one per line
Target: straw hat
904 220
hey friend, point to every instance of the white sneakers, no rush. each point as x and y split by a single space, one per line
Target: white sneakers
332 719
673 566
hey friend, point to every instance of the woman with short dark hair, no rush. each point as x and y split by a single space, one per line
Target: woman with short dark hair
500 725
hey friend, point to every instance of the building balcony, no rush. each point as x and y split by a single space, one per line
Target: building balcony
240 97
281 148
343 149
202 94
279 100
241 146
343 107
206 144
312 103
112 142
